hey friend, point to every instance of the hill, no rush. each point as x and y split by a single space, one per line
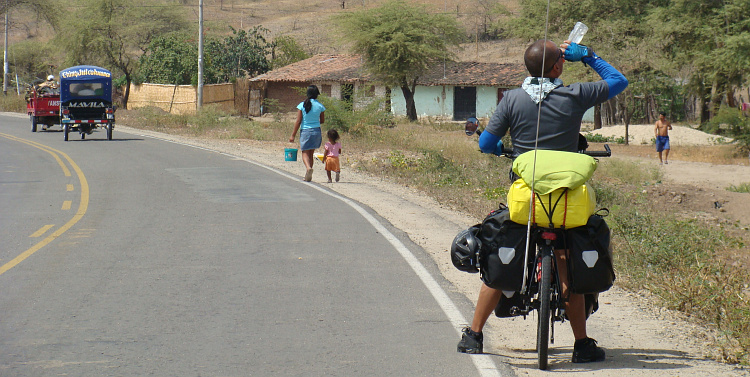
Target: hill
309 23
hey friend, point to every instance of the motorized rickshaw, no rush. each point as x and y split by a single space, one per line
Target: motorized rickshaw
86 100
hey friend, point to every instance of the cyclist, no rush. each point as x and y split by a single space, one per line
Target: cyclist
562 109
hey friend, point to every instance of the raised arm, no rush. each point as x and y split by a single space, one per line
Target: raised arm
615 80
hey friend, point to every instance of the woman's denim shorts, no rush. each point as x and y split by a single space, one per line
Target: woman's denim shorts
310 138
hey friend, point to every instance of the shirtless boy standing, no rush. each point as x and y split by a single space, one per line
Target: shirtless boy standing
662 137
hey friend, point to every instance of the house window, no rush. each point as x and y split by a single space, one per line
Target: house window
347 93
500 94
388 99
325 89
368 90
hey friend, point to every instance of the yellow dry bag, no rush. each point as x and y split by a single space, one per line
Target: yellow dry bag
562 208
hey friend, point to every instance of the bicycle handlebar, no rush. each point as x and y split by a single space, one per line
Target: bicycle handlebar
605 153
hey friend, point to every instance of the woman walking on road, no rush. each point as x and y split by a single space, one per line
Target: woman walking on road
310 115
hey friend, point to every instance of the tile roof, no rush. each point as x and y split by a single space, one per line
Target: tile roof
319 68
349 68
474 74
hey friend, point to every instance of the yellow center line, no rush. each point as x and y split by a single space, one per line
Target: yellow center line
67 204
43 147
82 206
41 231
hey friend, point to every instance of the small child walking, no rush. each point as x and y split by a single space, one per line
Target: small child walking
331 156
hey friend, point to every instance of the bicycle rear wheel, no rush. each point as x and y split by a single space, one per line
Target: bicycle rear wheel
543 326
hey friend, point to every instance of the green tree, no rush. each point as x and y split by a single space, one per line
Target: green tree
170 59
32 60
400 42
711 41
286 51
116 32
242 54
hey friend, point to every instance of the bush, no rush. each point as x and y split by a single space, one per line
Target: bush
598 138
742 187
730 121
340 115
12 103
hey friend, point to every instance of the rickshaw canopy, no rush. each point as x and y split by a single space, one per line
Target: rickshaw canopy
85 82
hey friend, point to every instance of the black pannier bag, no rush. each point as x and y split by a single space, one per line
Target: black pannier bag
501 256
590 261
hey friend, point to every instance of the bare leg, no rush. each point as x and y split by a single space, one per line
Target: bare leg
576 305
328 172
307 158
666 156
660 160
486 303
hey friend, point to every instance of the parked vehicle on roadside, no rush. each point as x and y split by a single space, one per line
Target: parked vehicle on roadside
86 100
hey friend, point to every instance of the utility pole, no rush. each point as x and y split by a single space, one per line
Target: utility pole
199 98
6 66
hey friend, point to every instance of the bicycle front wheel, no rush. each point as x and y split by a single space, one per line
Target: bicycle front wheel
543 326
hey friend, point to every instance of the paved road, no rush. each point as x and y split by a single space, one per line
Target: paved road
138 257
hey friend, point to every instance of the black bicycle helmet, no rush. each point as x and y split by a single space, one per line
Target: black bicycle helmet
465 250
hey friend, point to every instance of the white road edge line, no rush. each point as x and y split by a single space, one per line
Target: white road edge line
484 363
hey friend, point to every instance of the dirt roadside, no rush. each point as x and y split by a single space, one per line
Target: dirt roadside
640 340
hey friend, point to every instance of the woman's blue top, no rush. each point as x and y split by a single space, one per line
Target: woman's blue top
311 119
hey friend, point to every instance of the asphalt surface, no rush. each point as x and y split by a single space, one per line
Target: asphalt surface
137 257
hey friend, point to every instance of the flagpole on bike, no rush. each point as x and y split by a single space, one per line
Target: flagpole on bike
536 144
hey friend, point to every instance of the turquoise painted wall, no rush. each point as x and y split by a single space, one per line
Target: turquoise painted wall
430 101
486 101
438 101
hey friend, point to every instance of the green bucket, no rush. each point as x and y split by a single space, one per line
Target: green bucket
290 154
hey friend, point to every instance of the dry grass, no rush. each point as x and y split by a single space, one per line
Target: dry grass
714 154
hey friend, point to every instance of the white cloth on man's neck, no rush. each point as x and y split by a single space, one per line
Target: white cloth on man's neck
532 86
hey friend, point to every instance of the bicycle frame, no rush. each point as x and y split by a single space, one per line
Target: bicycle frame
543 291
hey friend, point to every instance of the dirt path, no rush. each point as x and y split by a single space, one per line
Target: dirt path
640 340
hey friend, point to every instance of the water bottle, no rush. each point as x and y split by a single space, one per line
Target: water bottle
578 32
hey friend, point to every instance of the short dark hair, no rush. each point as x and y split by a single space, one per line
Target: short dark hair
662 113
541 50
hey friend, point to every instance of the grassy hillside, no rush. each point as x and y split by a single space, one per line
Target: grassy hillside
307 21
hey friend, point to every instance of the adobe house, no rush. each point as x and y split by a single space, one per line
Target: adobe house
337 76
459 90
456 90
